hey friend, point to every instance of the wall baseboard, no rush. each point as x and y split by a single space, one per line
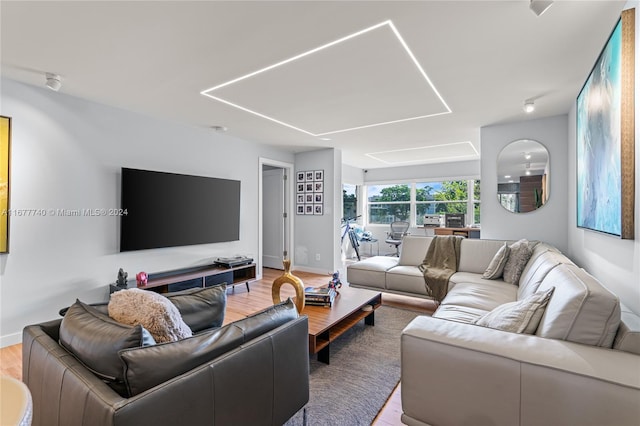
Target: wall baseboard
311 270
10 339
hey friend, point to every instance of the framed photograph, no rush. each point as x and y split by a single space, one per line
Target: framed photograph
300 177
300 187
317 209
318 175
300 209
317 198
5 166
308 209
300 198
308 187
318 187
308 198
605 137
309 176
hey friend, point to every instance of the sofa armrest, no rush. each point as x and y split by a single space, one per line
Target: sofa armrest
463 374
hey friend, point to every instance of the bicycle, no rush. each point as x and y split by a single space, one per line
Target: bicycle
348 230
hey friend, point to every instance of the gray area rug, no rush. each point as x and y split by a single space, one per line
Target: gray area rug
364 370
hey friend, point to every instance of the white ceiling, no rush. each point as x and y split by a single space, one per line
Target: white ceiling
388 82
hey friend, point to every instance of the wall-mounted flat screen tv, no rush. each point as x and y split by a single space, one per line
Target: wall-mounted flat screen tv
168 210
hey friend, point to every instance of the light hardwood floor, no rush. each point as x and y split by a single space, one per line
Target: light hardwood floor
240 303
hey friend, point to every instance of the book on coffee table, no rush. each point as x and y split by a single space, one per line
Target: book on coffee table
322 296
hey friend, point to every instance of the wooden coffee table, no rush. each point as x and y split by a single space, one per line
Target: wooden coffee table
327 324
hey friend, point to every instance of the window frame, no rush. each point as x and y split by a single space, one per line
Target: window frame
471 200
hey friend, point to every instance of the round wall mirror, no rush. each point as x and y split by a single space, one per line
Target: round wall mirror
523 176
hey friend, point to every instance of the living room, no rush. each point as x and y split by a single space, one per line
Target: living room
68 149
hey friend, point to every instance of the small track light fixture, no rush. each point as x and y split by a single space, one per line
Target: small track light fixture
539 6
53 81
529 106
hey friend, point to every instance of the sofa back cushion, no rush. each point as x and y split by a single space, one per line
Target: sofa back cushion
476 254
628 335
413 250
581 309
201 308
95 339
536 270
150 366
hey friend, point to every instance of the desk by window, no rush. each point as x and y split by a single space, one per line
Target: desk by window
465 232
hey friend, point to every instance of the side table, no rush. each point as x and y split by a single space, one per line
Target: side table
370 244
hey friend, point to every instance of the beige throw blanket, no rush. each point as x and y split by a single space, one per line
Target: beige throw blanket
439 264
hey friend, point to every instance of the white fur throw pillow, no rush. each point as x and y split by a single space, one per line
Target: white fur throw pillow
153 311
519 255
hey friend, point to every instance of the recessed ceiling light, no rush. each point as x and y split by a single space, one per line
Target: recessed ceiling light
527 156
528 173
507 176
511 181
389 23
325 139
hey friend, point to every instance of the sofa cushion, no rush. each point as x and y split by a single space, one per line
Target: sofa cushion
406 279
519 254
146 368
458 313
151 310
485 296
581 309
201 308
95 339
370 272
536 270
521 316
628 335
476 254
496 266
413 250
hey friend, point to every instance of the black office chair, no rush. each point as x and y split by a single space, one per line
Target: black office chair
394 237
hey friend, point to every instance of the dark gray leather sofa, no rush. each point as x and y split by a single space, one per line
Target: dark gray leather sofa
262 381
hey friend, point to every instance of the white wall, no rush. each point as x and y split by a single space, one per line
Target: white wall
547 223
613 261
319 235
67 154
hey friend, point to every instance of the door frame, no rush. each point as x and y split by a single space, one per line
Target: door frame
288 167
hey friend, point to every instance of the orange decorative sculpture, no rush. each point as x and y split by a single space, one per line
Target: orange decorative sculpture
288 278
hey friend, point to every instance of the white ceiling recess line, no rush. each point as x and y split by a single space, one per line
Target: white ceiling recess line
366 79
455 151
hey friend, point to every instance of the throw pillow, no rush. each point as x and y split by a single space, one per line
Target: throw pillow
145 369
522 316
201 308
95 339
519 255
151 310
496 266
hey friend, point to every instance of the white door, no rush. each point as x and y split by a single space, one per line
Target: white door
273 217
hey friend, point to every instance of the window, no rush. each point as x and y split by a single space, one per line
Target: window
349 200
388 203
411 202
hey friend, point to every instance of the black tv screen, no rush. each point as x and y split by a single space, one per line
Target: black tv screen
169 210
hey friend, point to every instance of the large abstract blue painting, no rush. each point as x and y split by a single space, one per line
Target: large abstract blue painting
599 175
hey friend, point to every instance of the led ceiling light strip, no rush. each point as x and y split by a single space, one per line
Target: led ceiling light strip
207 92
375 154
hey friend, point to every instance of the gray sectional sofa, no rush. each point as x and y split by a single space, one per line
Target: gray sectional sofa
581 366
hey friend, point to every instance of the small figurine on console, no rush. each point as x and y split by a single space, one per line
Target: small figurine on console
335 282
121 281
142 279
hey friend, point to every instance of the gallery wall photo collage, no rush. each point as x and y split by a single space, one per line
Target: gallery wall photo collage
310 192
